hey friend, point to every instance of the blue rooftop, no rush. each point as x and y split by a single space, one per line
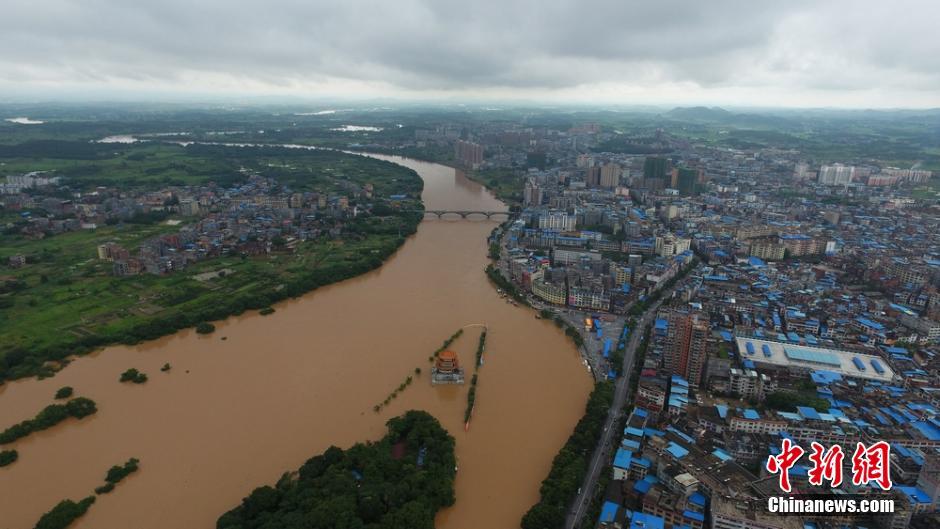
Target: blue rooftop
807 412
608 512
825 377
643 486
680 381
646 521
676 450
636 432
929 430
803 354
865 322
721 454
914 494
622 459
684 436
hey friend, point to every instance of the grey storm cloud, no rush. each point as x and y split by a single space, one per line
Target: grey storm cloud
443 45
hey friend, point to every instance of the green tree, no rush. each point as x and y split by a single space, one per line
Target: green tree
8 457
63 514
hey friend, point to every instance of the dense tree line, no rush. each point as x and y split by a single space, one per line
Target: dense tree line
789 400
59 149
116 474
51 415
63 514
472 393
394 394
8 457
365 486
571 464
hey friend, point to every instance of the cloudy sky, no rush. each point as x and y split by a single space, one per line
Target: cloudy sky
860 53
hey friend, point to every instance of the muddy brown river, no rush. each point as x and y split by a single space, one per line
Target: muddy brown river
235 414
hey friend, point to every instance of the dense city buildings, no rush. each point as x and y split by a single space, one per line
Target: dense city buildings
812 314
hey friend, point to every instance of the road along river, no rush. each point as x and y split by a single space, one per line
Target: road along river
235 414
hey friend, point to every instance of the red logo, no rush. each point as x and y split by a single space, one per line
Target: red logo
872 464
781 464
869 464
827 465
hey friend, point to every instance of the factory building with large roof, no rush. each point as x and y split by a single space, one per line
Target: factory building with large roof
849 364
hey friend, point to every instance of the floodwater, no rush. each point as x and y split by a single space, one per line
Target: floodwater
120 138
24 121
357 128
235 414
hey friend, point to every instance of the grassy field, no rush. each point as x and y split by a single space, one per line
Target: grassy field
928 191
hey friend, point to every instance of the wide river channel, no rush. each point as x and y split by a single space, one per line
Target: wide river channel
235 414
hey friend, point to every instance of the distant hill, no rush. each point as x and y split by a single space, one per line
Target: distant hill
720 116
699 114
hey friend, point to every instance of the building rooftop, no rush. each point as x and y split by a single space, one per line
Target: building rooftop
843 363
646 521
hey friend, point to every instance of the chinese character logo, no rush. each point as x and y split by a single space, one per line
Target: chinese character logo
827 465
869 464
781 464
872 464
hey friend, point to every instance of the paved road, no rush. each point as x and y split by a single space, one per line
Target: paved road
621 389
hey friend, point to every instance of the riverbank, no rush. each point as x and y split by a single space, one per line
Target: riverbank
307 377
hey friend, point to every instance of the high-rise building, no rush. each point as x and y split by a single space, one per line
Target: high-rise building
557 220
916 176
686 342
669 245
532 193
468 154
592 176
686 180
655 168
610 175
836 174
